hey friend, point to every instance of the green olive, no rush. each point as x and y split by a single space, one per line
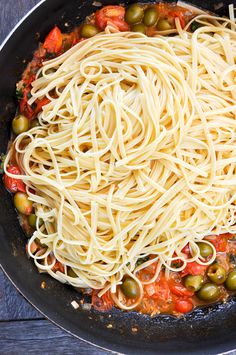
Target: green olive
230 282
34 123
193 282
88 31
150 16
20 124
163 25
22 203
216 273
71 273
32 220
130 288
139 28
205 249
209 292
134 14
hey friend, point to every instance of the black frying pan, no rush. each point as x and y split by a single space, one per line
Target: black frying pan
205 331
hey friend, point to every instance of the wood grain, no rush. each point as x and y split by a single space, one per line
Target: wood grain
12 305
40 337
11 11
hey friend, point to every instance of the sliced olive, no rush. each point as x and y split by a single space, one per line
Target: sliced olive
130 288
163 25
139 28
150 16
88 31
32 220
71 273
134 14
22 203
205 249
34 123
20 124
216 273
209 292
230 282
193 282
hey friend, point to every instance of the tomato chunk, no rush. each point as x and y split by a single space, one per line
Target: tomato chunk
194 268
33 247
183 306
179 290
58 267
40 104
11 184
220 242
179 15
158 290
53 41
111 15
103 303
24 107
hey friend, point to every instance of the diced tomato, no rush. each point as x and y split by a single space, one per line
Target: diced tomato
58 267
28 82
33 247
53 41
150 289
24 107
162 9
194 268
178 289
40 104
179 15
111 15
158 290
220 242
103 303
183 306
228 235
13 185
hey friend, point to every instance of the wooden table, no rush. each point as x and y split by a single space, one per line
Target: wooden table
23 330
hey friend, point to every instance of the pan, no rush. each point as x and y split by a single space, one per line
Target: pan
208 330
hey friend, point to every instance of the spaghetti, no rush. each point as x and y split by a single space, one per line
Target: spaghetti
135 154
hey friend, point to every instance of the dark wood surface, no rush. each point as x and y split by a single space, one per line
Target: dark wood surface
23 330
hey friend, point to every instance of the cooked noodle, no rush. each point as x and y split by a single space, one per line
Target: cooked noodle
136 152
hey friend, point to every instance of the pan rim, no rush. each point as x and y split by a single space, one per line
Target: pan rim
16 284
